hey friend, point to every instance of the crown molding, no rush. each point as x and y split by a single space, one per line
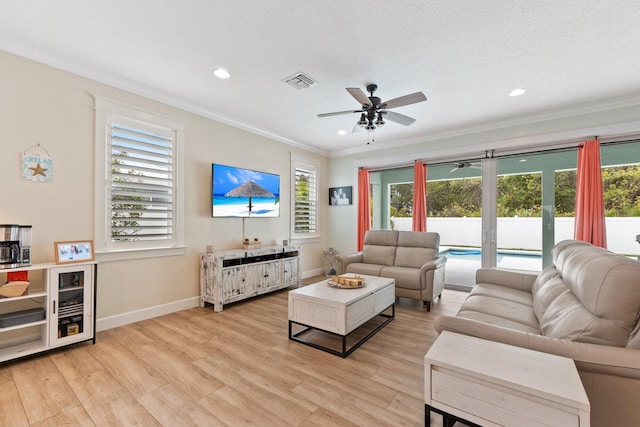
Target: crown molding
31 52
521 120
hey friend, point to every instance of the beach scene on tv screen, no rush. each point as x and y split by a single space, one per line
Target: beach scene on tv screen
238 192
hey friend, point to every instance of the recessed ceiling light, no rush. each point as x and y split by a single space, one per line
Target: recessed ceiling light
517 92
342 132
221 73
522 160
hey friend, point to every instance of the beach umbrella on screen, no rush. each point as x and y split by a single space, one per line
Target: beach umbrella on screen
249 189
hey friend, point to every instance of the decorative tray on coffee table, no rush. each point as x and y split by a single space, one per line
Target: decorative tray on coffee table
346 282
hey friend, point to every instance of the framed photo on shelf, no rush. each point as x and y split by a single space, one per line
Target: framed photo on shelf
340 196
73 251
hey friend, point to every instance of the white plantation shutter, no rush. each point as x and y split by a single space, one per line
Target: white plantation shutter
306 217
139 182
142 184
304 196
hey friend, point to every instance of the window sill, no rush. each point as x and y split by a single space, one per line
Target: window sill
304 240
139 254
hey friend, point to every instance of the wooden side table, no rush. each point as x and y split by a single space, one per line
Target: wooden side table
486 383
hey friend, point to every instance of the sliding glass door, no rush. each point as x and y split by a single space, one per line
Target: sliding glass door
509 211
535 200
454 210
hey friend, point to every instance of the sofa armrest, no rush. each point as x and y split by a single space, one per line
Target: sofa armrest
434 264
432 277
602 359
345 260
516 279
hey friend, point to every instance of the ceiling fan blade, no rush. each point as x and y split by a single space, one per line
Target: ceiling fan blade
398 118
359 95
337 113
404 100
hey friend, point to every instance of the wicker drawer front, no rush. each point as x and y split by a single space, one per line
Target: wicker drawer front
495 404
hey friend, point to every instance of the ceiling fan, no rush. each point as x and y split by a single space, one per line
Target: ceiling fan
462 165
374 111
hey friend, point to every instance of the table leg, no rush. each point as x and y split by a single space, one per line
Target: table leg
427 415
448 421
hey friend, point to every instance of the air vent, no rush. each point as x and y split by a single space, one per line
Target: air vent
300 81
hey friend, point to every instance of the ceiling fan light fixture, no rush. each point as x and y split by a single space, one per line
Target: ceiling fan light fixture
373 110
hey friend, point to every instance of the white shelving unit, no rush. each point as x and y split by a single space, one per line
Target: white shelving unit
234 275
49 291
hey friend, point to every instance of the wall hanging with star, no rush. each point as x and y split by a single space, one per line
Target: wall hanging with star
37 164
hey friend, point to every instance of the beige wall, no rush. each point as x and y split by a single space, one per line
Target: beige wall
43 105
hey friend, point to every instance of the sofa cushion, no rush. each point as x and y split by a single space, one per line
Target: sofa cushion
564 249
380 247
567 318
407 278
608 285
544 276
634 338
364 268
497 291
419 239
497 321
381 237
545 295
381 255
413 257
416 248
511 311
594 295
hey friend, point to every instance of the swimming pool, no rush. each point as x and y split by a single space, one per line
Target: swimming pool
462 263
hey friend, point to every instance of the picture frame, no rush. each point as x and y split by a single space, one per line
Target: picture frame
72 251
341 196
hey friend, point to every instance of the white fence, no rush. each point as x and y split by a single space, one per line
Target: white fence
526 233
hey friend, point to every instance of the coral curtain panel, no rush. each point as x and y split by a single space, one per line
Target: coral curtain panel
419 197
364 210
590 219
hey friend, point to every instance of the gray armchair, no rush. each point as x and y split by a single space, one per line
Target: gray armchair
411 258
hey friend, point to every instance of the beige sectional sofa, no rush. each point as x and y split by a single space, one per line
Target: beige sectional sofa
585 307
411 258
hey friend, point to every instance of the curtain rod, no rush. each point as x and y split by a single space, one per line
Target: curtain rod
567 146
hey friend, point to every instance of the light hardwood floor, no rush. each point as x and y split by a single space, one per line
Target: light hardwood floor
234 368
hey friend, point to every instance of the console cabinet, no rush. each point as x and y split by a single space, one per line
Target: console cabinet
234 275
59 309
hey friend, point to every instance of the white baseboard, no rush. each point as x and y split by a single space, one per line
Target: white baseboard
316 272
159 310
146 313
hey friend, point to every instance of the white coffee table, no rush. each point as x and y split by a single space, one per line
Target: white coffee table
340 311
486 383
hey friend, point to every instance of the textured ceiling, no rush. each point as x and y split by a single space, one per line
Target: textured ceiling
464 55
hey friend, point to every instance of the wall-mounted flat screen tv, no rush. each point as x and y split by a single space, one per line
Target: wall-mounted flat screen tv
238 192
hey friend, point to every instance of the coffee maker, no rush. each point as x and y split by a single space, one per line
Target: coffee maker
25 244
15 245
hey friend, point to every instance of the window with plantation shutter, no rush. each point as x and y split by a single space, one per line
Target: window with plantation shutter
138 197
305 197
141 184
